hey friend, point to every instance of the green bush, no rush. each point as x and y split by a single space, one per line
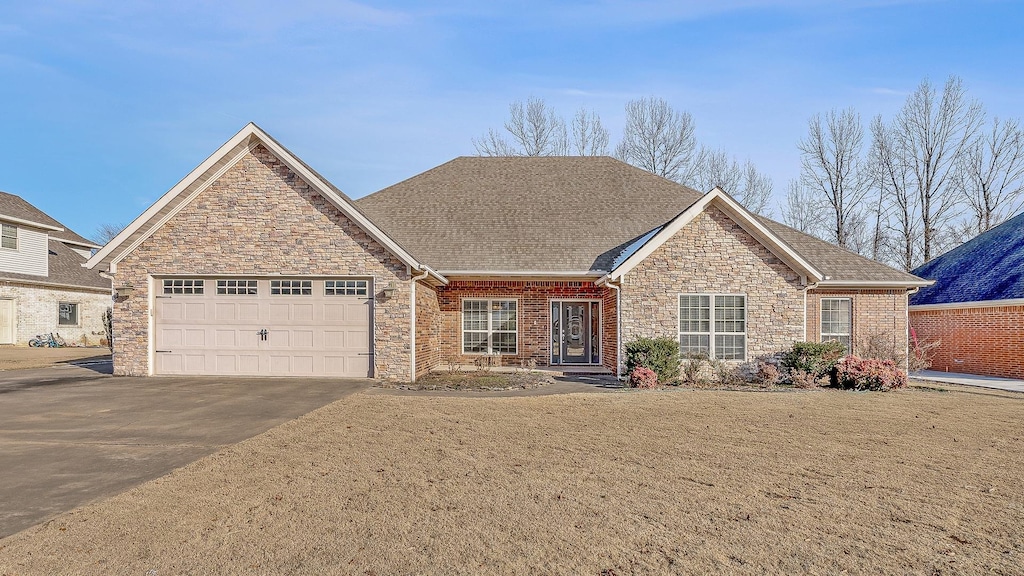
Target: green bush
658 354
815 358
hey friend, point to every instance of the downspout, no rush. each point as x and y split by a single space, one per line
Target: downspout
618 324
906 312
806 288
412 323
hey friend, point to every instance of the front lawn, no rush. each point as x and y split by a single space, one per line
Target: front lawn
918 482
480 380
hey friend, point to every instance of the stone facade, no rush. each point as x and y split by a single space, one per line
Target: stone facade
714 255
534 316
879 320
259 218
428 329
985 340
35 311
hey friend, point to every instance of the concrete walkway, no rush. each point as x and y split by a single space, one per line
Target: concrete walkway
1007 384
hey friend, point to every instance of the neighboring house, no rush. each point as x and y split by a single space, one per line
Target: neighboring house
975 310
44 287
255 264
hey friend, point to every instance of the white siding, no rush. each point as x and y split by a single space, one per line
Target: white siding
31 256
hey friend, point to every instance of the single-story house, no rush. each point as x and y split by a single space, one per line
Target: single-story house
975 309
43 286
256 264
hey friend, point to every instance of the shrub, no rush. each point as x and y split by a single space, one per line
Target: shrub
856 373
693 368
768 374
815 358
727 374
660 355
806 380
642 377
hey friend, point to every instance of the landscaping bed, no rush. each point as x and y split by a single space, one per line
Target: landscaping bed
481 380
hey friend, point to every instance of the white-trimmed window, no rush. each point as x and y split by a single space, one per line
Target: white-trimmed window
67 313
237 287
291 287
490 326
837 320
346 287
714 324
183 286
9 236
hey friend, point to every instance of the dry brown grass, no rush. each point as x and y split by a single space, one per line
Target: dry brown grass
18 357
819 482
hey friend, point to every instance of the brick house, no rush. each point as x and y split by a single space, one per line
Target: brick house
43 286
975 309
255 264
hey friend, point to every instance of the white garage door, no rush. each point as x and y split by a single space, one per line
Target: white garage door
264 326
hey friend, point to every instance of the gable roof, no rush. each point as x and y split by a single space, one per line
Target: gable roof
520 215
988 267
572 216
212 168
738 214
16 209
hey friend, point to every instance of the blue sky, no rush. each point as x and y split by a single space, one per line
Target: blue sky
105 105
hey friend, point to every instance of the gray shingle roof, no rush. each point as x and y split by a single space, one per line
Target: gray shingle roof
551 214
556 214
65 269
17 207
989 267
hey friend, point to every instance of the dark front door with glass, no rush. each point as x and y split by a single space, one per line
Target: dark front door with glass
575 332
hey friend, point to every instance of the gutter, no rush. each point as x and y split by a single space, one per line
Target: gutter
412 319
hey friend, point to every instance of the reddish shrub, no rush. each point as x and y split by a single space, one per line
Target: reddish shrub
642 377
768 374
857 373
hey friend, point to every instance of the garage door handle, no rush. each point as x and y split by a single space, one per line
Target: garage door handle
162 351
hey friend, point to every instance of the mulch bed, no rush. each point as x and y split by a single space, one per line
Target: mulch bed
480 380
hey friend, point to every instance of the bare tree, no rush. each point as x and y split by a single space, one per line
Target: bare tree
930 134
832 166
105 232
990 176
902 224
802 209
535 129
658 139
741 180
589 136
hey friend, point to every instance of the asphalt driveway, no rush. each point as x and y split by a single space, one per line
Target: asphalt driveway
70 435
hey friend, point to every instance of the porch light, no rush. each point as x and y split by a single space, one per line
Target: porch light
124 291
390 290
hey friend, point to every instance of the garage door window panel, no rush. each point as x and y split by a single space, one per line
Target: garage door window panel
346 287
237 287
183 286
291 287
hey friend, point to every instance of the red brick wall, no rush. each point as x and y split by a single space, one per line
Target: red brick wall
879 316
979 340
534 314
610 330
428 329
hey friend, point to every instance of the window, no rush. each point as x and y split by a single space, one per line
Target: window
713 324
9 236
346 287
489 326
243 287
183 286
836 320
67 314
291 287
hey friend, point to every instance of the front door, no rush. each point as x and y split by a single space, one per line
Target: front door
575 327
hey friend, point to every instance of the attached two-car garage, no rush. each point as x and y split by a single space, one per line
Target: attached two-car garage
268 326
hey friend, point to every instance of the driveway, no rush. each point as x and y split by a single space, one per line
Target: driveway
70 435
